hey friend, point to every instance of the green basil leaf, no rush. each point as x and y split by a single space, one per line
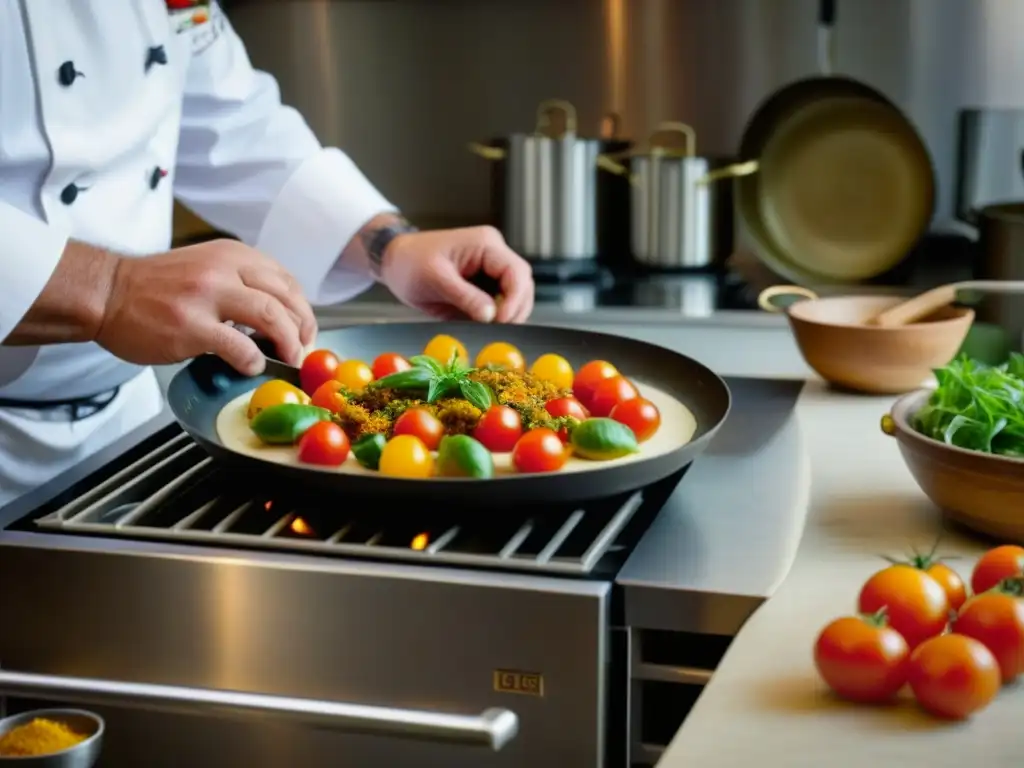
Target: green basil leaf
478 394
426 361
414 378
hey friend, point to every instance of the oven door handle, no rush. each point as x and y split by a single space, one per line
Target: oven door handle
493 728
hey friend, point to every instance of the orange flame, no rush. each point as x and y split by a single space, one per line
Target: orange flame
419 542
301 527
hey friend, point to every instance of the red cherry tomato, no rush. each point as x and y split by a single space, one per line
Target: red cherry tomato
915 603
862 659
997 564
566 407
499 429
996 620
325 443
539 450
389 363
640 415
319 366
180 5
588 377
609 393
953 676
422 424
328 397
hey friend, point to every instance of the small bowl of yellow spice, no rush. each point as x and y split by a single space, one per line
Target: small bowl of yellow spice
51 738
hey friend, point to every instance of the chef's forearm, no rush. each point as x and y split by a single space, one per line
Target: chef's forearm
72 304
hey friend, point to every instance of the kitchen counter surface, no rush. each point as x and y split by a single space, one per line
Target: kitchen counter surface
765 705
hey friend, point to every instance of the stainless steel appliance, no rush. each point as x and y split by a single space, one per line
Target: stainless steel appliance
371 76
1001 257
211 627
547 189
990 160
679 220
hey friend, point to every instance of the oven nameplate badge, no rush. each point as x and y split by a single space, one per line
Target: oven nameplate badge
515 681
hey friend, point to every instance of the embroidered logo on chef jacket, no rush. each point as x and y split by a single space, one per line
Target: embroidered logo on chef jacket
188 14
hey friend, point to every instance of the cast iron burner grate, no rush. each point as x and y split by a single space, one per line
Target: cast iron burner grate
176 493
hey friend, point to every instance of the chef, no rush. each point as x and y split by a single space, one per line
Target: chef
109 109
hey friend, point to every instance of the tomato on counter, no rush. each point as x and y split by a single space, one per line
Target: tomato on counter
319 366
1004 562
996 620
640 415
422 424
324 443
916 604
388 363
589 376
406 456
540 450
274 392
554 369
862 658
328 396
609 393
948 579
953 676
499 429
501 355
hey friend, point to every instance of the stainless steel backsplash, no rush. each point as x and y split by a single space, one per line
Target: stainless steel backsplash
403 85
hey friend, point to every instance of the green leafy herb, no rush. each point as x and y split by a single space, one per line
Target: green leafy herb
977 407
439 381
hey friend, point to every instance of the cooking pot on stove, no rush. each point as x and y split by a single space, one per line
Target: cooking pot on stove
679 220
549 200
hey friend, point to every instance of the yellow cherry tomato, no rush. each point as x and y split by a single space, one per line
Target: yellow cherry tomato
501 355
406 456
353 375
274 392
554 369
442 347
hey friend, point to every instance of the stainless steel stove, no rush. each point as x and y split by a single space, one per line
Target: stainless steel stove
214 625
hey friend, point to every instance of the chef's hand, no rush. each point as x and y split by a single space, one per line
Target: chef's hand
429 271
174 306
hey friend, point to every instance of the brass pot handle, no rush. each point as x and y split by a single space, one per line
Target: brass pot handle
487 153
690 135
556 105
888 425
734 171
764 299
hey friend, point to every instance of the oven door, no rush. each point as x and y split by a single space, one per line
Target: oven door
210 658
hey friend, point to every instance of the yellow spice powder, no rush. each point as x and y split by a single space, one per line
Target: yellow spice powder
38 737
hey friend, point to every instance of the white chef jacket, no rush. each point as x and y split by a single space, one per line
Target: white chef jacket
108 110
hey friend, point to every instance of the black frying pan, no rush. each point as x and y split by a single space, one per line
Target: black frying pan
199 392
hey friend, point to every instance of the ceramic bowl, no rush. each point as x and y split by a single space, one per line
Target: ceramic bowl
981 491
838 342
82 755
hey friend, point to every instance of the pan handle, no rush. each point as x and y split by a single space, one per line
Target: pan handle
544 110
734 171
687 132
487 153
764 299
826 37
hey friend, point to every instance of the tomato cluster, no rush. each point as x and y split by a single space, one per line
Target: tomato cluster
918 627
600 395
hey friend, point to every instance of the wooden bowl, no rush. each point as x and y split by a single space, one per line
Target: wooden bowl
979 490
837 341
